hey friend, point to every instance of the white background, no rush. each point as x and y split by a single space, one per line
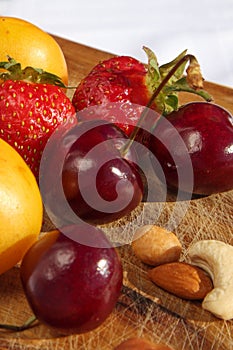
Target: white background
204 27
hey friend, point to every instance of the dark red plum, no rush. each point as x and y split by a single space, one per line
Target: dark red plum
207 132
100 184
85 176
72 287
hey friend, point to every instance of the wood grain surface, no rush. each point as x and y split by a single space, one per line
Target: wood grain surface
143 309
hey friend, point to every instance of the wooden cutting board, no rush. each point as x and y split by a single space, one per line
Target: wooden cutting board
143 309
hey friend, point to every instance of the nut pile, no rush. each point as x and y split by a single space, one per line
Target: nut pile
207 277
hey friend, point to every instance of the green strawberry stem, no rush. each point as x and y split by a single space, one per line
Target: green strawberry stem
167 100
21 328
193 79
13 71
193 83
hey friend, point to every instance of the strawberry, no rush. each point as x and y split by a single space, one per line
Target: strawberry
31 109
115 80
121 86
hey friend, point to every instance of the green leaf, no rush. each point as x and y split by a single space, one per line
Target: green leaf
182 85
14 71
163 82
3 64
39 76
171 103
153 67
165 68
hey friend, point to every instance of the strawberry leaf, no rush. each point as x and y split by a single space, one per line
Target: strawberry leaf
182 85
165 68
171 103
153 67
14 71
165 81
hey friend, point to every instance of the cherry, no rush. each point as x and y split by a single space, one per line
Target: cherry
99 183
207 132
72 287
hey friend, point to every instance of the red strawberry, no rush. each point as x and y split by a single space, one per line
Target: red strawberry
121 86
30 112
115 80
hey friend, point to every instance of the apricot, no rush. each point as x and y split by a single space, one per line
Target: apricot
21 209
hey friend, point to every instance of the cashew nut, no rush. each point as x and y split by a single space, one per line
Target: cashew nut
216 258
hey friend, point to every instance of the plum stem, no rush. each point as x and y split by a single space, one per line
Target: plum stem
21 328
195 80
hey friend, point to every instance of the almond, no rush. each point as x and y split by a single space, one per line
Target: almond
183 280
140 344
155 245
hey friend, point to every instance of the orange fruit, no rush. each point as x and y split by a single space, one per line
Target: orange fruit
21 209
31 46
